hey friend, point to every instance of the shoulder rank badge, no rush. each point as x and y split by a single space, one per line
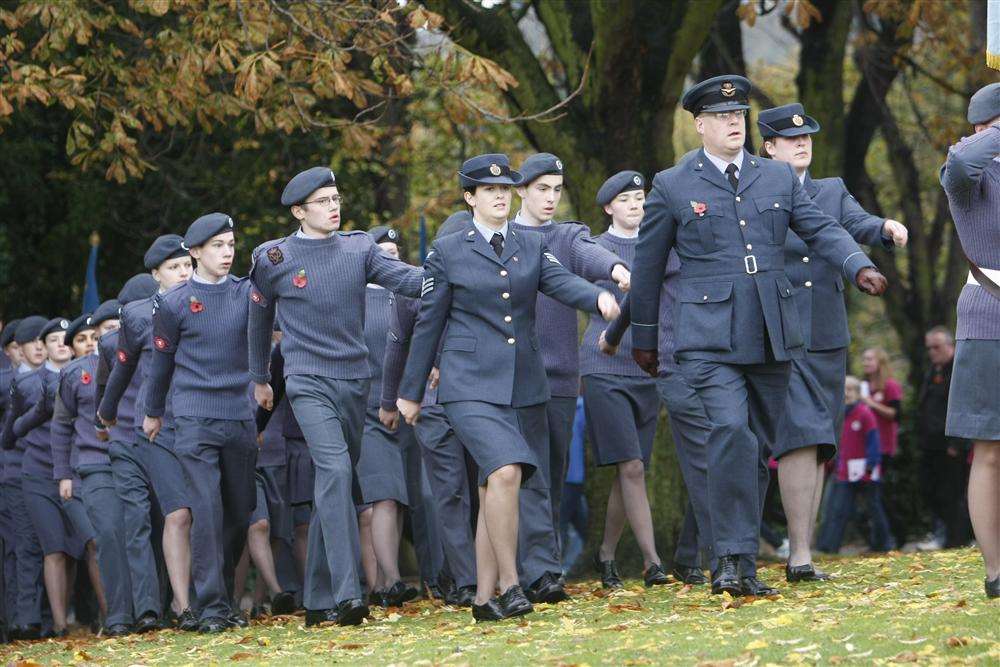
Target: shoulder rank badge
275 255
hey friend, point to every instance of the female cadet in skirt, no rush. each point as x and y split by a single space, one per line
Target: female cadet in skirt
814 410
481 285
620 399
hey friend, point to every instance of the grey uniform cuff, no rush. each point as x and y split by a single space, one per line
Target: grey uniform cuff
260 378
388 406
854 263
60 473
644 336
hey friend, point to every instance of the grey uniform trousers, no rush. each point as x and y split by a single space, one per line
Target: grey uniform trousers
104 508
448 471
561 411
745 404
424 518
537 537
9 554
219 457
331 413
30 588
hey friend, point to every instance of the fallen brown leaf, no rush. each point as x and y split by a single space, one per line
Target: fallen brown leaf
242 655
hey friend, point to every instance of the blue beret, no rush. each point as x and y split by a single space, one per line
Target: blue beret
540 164
205 227
30 328
488 169
164 247
139 286
382 233
109 310
456 222
81 323
7 335
985 104
53 325
789 120
305 183
623 181
728 92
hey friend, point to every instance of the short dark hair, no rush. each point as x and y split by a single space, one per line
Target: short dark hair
944 331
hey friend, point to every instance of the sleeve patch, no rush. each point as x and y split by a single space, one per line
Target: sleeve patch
427 286
552 258
257 298
122 356
160 342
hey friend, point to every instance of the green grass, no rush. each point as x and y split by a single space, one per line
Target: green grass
922 608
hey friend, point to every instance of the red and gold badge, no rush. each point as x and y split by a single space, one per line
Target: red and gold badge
299 280
122 356
196 306
160 342
85 377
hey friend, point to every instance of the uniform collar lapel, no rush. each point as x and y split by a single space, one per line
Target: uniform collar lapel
749 173
810 185
510 246
480 245
704 168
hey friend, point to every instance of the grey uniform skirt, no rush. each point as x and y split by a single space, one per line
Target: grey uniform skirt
621 417
974 396
61 527
814 408
380 469
499 435
301 475
271 504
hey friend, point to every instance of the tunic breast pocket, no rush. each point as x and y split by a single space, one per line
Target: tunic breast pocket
696 229
705 317
775 211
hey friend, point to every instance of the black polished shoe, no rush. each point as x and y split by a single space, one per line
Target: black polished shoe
117 630
654 576
399 594
188 621
375 599
352 612
992 588
490 611
608 570
257 612
513 602
29 632
432 589
147 623
692 576
316 617
464 596
547 588
4 635
283 604
726 578
213 625
808 572
237 620
752 586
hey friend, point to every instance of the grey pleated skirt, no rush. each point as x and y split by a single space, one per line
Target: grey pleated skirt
380 469
974 397
621 417
498 435
61 527
814 408
299 468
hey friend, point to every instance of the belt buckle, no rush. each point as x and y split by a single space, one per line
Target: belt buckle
750 264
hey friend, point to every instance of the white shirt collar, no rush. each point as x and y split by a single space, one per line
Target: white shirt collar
519 219
488 233
617 234
302 235
24 368
51 366
204 281
721 163
802 177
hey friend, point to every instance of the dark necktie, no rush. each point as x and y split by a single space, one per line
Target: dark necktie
731 175
497 243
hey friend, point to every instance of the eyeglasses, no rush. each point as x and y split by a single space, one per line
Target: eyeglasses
327 202
726 116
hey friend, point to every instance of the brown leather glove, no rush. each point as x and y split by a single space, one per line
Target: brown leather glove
648 360
871 282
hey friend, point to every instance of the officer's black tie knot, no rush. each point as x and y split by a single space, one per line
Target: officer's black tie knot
731 175
497 243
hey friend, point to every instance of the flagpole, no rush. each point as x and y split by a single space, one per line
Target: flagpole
993 34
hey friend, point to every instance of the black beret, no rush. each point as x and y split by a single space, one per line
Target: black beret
205 227
789 120
382 233
985 104
7 335
109 310
163 248
540 164
623 181
30 328
728 92
305 183
81 323
139 286
54 325
456 222
488 169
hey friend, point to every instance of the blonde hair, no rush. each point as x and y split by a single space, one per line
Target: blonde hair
851 382
884 372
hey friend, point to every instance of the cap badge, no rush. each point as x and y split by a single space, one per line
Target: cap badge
797 121
495 169
391 234
64 324
637 180
728 89
90 320
229 221
559 164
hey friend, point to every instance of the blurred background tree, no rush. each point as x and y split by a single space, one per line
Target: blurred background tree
132 117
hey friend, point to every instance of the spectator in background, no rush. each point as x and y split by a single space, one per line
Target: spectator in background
883 396
942 459
857 470
573 512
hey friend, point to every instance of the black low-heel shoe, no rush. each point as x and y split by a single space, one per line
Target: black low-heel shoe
490 611
993 588
513 602
608 569
352 612
795 573
654 576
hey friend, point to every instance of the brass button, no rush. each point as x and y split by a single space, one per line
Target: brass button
510 341
503 274
738 198
809 283
704 298
805 259
505 295
514 258
743 223
506 318
749 247
776 205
